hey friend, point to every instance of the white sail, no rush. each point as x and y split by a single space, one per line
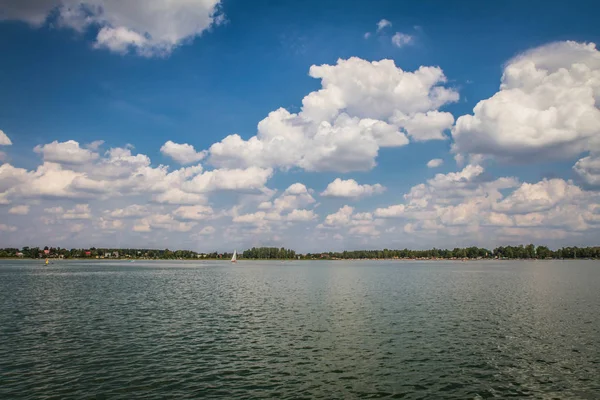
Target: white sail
234 258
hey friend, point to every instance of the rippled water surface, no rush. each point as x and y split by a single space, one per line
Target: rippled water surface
413 330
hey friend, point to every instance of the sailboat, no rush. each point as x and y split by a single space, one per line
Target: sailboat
234 258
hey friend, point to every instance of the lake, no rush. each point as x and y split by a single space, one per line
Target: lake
301 330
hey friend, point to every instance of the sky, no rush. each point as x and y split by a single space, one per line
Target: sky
319 126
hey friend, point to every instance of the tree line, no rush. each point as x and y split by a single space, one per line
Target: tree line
503 252
273 253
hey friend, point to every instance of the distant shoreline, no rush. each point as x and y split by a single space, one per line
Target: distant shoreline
289 260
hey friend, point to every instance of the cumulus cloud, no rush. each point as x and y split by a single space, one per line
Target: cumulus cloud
401 39
540 196
422 127
148 28
19 210
95 145
390 212
434 163
68 152
131 211
194 213
289 207
356 224
546 108
351 189
182 153
588 169
4 140
382 24
78 173
7 228
361 107
301 215
465 204
80 211
207 230
249 179
340 218
162 222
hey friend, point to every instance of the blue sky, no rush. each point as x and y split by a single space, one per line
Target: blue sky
195 74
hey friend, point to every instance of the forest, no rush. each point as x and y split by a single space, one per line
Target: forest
529 251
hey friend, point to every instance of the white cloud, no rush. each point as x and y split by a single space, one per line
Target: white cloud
48 180
356 224
259 218
296 189
249 179
301 215
95 145
80 211
194 213
19 210
422 127
364 230
207 230
547 107
76 228
54 210
361 107
149 28
288 207
131 211
4 140
11 176
182 153
390 212
178 196
67 152
540 196
340 218
465 206
588 168
7 228
382 24
434 163
351 189
163 222
367 35
401 39
109 224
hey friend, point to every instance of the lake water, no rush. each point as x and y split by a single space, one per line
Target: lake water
301 330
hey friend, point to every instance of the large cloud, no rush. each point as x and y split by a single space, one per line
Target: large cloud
149 27
465 204
67 152
71 172
547 107
361 107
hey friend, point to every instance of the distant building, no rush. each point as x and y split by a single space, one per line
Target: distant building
19 254
116 254
88 253
46 251
106 255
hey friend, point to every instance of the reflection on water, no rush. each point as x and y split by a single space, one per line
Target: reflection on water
300 330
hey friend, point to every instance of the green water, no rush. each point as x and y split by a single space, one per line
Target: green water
300 330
